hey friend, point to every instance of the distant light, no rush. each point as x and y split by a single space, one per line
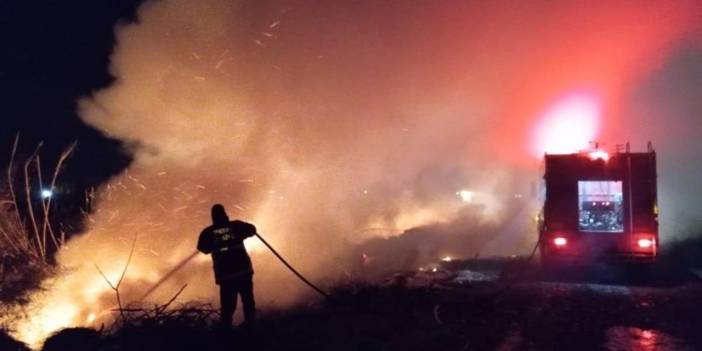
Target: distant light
560 241
446 259
46 193
465 195
599 155
645 243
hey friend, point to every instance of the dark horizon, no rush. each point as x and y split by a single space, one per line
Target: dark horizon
53 53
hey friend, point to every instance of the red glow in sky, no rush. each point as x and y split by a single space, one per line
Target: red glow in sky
549 50
569 125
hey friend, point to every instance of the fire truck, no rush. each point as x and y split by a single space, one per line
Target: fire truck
600 205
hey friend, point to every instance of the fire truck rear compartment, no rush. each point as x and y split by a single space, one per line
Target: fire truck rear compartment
599 208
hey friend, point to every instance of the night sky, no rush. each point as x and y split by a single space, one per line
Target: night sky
54 52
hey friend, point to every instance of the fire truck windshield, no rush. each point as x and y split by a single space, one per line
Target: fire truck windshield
600 206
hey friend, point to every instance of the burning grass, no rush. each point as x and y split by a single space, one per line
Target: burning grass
22 268
27 238
355 317
396 315
393 315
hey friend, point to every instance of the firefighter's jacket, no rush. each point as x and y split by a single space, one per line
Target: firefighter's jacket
226 244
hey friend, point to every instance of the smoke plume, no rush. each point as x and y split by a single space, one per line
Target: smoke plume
327 123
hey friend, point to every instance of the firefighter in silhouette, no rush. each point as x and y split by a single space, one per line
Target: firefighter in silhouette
224 239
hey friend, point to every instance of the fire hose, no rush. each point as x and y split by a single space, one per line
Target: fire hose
189 258
317 289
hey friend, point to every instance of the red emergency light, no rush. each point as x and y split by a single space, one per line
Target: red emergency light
645 243
560 241
599 155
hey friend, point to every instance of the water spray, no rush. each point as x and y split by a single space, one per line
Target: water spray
170 273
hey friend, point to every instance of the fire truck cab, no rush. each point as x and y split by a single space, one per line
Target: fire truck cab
600 205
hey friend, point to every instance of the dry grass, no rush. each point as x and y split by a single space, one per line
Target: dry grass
27 237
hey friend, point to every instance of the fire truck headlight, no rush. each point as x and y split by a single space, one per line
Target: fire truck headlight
560 241
645 243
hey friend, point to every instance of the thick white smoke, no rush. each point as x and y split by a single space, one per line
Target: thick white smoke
314 128
295 123
324 123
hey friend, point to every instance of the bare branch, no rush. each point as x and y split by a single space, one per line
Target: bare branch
27 191
129 259
47 207
10 180
37 167
10 240
164 307
104 277
115 287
